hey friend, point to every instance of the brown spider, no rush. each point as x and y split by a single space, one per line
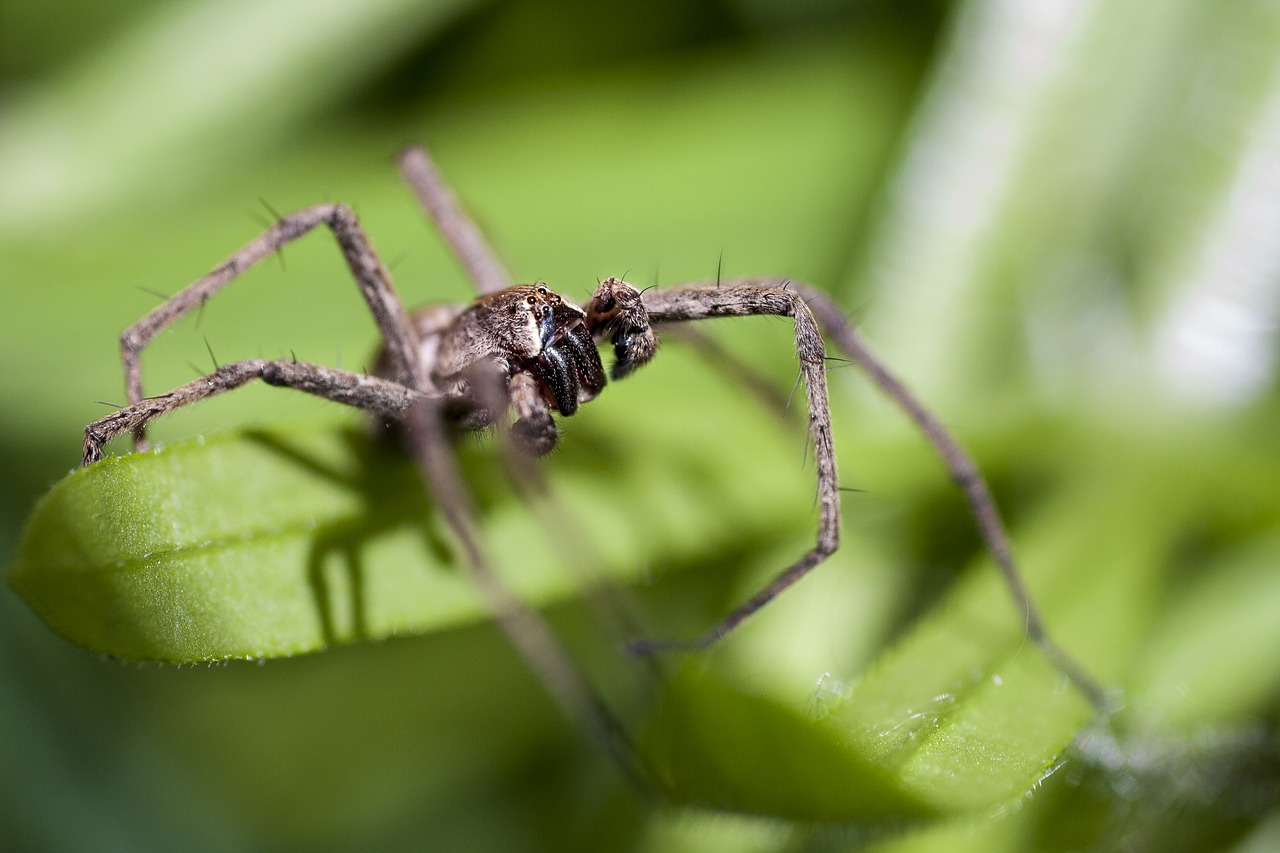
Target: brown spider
527 348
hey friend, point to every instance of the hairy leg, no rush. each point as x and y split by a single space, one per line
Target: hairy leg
964 472
621 313
524 627
380 396
814 311
534 433
459 231
372 277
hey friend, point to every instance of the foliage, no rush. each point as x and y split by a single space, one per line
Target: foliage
1062 209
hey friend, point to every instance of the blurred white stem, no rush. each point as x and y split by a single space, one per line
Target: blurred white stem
1216 342
968 142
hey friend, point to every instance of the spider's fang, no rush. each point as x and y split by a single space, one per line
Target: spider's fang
558 376
568 368
581 349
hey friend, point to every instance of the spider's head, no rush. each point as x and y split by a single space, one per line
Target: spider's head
518 321
534 330
509 328
529 330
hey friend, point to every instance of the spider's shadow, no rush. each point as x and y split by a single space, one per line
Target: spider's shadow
392 497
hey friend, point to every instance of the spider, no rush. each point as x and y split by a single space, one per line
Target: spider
528 349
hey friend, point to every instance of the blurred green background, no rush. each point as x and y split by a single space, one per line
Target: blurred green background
1058 220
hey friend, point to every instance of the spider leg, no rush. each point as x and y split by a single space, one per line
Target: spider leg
738 299
370 274
524 627
533 431
381 396
964 472
458 229
617 311
814 311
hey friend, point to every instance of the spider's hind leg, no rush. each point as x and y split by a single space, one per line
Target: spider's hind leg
528 632
370 274
380 396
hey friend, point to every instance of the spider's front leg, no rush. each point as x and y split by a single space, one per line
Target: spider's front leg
366 268
624 314
814 313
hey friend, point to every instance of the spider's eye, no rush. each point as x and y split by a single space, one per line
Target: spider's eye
555 299
542 290
531 299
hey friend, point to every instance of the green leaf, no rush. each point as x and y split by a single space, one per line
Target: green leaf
274 542
963 715
219 549
721 746
265 543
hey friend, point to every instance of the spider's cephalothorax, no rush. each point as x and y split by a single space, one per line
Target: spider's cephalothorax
537 348
527 328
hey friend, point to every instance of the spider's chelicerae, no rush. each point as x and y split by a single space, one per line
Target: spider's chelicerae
528 349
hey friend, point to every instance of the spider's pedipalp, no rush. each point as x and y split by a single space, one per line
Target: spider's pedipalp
617 312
